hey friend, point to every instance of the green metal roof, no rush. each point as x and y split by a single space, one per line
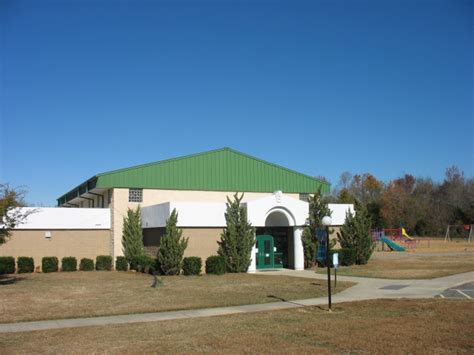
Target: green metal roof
217 170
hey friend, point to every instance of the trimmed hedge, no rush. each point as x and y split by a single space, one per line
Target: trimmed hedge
69 263
86 264
143 263
121 263
49 264
7 265
192 265
25 264
103 262
215 264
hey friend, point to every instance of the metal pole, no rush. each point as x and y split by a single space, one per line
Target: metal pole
329 268
335 277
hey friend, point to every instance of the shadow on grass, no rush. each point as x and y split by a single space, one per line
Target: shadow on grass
281 299
10 279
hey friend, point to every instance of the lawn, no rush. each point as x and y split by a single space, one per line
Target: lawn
86 294
379 326
438 245
425 262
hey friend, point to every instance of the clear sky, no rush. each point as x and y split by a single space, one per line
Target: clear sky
321 87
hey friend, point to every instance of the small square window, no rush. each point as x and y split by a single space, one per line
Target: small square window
304 197
135 195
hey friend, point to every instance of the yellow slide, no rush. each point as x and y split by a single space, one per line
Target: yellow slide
405 234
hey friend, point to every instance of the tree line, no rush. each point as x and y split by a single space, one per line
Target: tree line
420 205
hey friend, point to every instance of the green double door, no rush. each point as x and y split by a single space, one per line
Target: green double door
267 257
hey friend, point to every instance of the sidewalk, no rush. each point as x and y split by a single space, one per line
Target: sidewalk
371 288
365 289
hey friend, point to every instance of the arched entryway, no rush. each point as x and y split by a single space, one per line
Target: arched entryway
283 218
275 241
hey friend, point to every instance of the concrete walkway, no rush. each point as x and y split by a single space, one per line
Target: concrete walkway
365 289
371 288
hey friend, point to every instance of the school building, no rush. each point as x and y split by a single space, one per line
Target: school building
88 220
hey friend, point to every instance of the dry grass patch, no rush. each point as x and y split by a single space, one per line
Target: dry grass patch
437 259
438 245
391 265
87 294
379 326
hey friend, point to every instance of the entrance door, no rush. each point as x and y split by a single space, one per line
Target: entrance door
282 238
265 252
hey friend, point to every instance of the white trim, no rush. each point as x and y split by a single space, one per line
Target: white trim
65 218
289 216
298 249
212 214
295 210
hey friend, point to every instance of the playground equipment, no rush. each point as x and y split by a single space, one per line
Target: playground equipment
465 231
391 244
405 234
399 235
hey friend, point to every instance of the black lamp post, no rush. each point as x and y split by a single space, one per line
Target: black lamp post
327 222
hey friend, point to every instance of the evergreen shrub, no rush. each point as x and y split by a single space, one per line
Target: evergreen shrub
7 265
103 262
86 264
69 263
143 263
121 263
355 234
347 256
318 208
49 264
172 245
192 265
25 264
238 237
132 235
216 265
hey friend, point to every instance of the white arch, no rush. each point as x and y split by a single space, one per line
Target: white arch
281 211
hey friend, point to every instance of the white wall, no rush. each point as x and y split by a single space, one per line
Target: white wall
201 214
338 212
190 214
65 218
156 215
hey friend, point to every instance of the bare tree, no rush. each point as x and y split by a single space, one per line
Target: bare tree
11 214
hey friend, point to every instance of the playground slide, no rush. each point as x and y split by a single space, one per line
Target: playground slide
391 244
405 234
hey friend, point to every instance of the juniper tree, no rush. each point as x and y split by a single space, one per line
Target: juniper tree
238 238
318 208
355 234
172 246
132 235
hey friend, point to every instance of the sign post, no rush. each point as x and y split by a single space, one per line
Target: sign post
326 221
335 262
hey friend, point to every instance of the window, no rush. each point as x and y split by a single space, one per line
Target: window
304 197
135 195
109 197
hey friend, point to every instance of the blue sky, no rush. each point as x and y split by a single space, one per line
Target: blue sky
321 87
